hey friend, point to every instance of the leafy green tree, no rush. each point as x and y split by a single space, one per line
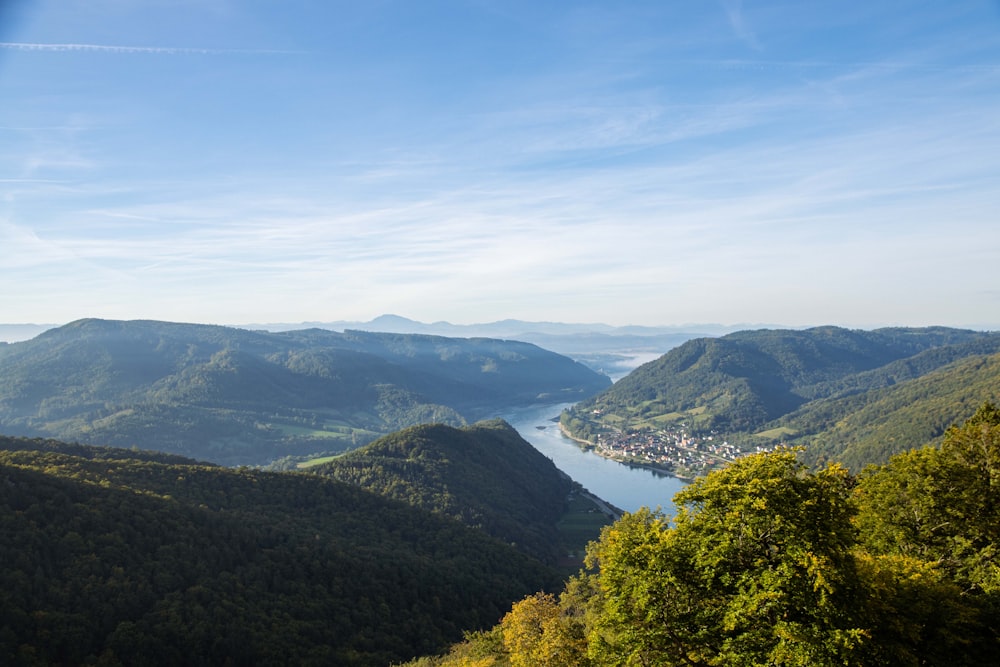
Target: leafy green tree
756 569
917 615
479 649
536 632
931 520
941 505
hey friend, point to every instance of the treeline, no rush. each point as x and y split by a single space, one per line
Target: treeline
770 563
115 557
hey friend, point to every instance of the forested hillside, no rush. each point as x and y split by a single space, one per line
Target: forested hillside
484 475
246 397
770 563
848 395
117 557
869 427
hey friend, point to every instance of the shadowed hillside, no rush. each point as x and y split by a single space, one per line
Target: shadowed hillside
133 558
484 475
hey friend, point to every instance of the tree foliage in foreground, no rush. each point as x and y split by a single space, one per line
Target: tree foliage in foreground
755 570
941 505
770 563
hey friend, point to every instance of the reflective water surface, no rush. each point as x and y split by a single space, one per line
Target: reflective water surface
625 487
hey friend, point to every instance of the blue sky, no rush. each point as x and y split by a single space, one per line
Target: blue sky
632 162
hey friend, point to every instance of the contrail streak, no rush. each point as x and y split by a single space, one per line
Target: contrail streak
160 50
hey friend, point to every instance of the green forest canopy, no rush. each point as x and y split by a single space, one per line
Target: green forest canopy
117 557
484 475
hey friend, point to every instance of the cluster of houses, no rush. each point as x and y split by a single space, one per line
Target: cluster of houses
676 452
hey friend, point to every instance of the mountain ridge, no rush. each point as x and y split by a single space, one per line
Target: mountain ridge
237 396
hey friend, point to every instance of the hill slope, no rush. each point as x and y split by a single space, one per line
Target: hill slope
484 475
131 558
245 397
783 385
869 427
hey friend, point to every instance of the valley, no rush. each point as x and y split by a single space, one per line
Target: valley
240 397
499 334
397 519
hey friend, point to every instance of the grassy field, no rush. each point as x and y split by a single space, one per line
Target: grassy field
581 524
315 462
327 432
777 433
306 432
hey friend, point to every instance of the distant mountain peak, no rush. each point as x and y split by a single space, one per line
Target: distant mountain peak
390 318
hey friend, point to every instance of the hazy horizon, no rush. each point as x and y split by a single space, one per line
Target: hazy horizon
12 332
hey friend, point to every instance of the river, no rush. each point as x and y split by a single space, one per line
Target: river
625 487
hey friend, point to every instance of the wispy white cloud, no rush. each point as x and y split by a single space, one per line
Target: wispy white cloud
157 50
647 231
636 184
739 24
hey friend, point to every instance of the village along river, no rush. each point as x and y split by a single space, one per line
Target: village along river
625 487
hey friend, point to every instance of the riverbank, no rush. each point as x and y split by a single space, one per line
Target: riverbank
562 429
604 507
